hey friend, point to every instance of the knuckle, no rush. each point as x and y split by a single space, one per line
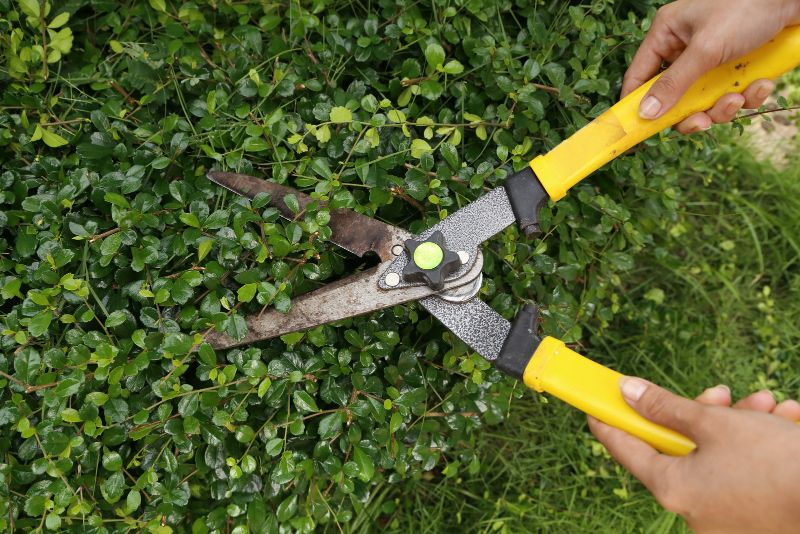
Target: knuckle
708 47
656 406
663 14
687 415
666 84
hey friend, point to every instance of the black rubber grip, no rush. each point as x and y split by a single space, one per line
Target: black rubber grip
527 196
520 344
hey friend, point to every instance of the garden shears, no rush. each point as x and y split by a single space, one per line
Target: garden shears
441 267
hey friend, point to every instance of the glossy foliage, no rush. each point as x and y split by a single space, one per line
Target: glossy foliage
116 253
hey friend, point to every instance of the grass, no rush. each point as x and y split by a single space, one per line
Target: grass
729 269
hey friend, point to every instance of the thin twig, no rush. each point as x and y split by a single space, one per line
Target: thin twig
103 235
128 98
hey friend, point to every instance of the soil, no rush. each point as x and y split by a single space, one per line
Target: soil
776 139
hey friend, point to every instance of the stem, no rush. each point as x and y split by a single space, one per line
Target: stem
103 235
43 26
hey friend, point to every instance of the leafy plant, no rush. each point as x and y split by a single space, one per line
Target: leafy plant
117 253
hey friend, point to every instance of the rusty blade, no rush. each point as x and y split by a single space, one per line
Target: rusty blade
352 231
355 295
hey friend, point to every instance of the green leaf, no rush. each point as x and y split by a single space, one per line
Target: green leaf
40 323
61 44
116 199
11 288
396 422
304 402
189 404
420 147
70 415
330 425
280 245
341 115
34 505
450 155
531 69
113 487
158 5
190 219
112 461
59 20
133 501
53 521
178 343
31 9
263 387
274 447
434 54
115 319
111 244
247 292
366 468
655 295
291 202
203 248
255 144
52 139
235 326
207 355
453 67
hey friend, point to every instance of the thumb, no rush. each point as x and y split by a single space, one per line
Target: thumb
664 408
668 89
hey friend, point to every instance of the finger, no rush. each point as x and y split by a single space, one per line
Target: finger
645 64
761 401
757 93
788 409
685 416
717 396
659 45
670 87
726 108
642 460
694 123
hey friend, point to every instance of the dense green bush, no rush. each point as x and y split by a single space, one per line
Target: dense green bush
116 253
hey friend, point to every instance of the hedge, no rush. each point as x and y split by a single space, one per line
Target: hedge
116 253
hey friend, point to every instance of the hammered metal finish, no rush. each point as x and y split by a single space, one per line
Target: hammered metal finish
352 231
474 322
465 230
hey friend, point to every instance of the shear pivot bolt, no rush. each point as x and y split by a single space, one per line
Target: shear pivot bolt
429 261
397 250
392 279
428 255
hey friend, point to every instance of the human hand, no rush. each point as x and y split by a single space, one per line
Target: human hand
694 36
743 476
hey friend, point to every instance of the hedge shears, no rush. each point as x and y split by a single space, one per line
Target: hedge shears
441 267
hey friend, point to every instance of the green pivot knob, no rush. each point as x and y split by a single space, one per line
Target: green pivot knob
429 261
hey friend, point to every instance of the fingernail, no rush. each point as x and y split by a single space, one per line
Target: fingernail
723 386
632 388
649 107
732 108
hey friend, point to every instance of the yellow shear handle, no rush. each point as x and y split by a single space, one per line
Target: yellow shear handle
620 128
594 389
